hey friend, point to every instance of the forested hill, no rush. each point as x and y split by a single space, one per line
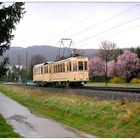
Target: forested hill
49 52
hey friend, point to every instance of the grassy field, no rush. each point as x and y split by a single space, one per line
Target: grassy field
6 130
113 85
100 118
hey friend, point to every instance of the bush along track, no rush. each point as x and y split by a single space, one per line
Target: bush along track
100 118
6 131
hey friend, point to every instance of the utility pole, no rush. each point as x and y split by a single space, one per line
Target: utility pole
26 66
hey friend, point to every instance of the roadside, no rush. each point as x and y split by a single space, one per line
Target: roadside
29 125
98 117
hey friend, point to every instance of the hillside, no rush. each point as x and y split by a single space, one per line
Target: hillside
49 52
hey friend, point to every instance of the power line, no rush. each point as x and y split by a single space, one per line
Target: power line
112 28
106 20
102 22
138 26
81 21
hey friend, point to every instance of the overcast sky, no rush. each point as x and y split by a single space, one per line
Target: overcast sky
87 24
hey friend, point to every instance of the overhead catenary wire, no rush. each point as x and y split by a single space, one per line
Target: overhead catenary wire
110 29
95 25
138 26
103 21
71 27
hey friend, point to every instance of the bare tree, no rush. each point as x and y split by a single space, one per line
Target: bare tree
108 51
36 59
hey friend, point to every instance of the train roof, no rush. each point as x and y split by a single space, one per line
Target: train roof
70 58
38 65
64 59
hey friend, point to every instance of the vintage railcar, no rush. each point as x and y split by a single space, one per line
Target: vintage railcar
67 72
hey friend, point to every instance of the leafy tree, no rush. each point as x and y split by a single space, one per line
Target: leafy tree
3 68
9 17
36 59
136 50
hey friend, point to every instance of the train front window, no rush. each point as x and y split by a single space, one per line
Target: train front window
80 65
74 66
85 65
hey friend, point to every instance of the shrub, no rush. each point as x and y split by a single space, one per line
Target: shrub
98 79
117 80
135 81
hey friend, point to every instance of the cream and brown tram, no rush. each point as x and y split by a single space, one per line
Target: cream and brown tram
72 71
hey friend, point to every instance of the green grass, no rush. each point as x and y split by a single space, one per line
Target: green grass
6 131
129 85
100 118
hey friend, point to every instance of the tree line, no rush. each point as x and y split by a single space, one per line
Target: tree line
114 62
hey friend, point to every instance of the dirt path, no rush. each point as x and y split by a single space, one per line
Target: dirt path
30 126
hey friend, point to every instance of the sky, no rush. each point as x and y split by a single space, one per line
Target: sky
86 24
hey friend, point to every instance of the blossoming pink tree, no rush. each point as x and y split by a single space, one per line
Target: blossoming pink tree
112 68
96 66
128 65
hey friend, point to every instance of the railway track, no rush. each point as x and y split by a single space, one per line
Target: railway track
117 89
104 93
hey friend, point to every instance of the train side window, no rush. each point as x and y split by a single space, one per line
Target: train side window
54 68
63 67
85 65
75 66
80 65
46 69
41 70
69 66
50 69
58 68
